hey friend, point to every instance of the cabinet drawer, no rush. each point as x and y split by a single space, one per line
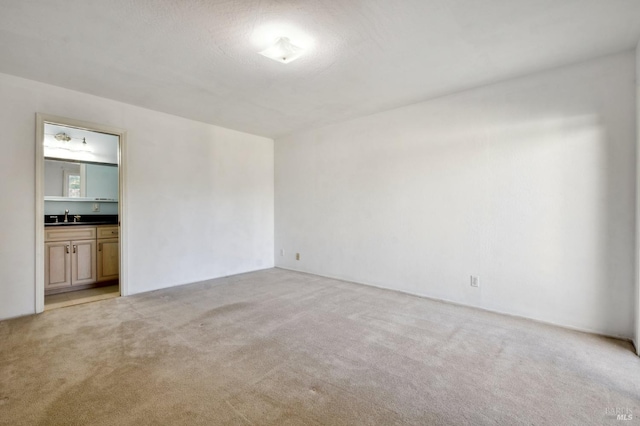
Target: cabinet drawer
70 233
108 231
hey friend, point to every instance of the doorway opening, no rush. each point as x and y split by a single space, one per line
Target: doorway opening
79 212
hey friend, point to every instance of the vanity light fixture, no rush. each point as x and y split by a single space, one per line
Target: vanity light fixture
283 51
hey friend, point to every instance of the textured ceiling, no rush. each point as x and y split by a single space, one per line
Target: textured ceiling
198 58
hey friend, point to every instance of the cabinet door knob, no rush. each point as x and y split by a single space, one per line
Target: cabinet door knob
99 246
67 246
74 248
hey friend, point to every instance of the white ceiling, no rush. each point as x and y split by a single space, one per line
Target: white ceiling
198 58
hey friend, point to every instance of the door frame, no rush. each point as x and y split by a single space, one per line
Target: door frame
41 119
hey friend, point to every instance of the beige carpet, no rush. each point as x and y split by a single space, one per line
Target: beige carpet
282 348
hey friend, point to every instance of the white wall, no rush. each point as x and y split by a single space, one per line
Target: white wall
199 200
528 184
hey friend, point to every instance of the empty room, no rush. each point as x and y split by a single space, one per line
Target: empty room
279 212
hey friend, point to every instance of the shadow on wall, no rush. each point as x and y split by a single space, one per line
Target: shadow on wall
528 184
560 199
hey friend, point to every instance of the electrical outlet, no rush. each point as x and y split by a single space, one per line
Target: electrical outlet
475 281
297 256
281 252
96 207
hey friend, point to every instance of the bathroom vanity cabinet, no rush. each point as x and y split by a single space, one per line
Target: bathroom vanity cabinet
108 259
80 256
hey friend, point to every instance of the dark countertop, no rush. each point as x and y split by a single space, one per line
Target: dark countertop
86 220
79 223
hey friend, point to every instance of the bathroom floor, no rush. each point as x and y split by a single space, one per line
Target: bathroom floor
71 298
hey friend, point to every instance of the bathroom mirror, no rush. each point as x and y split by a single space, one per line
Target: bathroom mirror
80 181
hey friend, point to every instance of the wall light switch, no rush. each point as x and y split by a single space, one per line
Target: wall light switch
281 252
96 207
297 256
475 281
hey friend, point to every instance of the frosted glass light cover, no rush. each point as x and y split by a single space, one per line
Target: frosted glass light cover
283 51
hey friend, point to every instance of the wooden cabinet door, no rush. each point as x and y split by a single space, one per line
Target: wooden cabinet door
83 262
57 264
108 259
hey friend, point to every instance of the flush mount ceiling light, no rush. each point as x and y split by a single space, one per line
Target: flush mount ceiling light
63 137
283 51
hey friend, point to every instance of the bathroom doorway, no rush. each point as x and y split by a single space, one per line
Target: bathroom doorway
79 212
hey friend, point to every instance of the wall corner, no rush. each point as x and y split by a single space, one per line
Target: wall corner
636 337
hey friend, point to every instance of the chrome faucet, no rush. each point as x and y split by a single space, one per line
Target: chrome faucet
66 215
